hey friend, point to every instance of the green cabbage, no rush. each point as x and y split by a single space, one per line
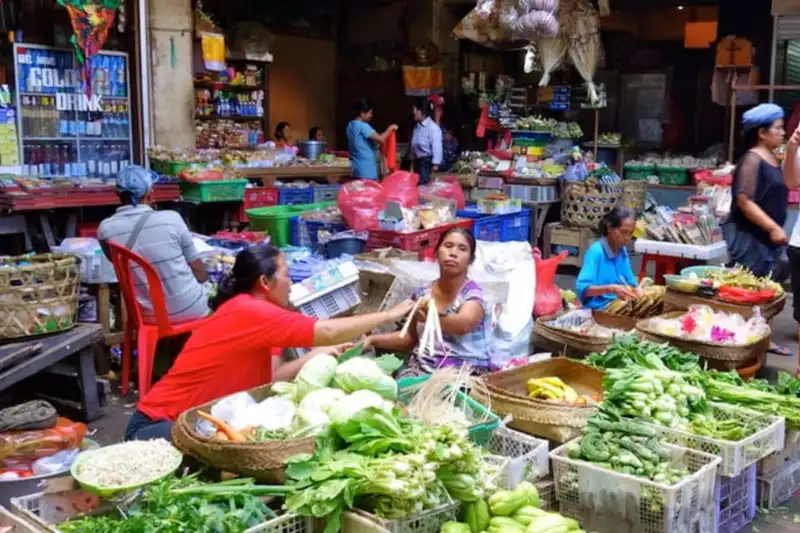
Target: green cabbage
347 407
315 374
284 389
360 373
310 422
322 399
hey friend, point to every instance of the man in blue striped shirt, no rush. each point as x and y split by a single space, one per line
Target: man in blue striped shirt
426 142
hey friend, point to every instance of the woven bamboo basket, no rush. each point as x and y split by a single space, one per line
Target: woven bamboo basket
508 395
565 343
264 461
679 301
38 294
718 356
583 205
634 194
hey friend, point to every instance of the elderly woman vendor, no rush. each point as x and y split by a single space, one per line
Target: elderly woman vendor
463 315
606 272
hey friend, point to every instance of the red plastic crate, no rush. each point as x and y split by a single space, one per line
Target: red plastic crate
423 241
257 197
88 230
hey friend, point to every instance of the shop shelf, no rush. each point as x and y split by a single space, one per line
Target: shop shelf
325 193
214 191
516 226
295 196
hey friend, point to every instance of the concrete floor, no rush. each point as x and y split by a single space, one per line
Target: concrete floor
110 429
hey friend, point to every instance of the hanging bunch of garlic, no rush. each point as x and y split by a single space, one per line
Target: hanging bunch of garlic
536 20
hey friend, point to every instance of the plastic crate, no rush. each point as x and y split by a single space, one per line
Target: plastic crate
547 493
317 230
298 233
484 227
779 487
88 230
635 172
484 421
735 456
673 176
28 507
423 242
735 501
275 220
527 455
325 193
295 196
776 461
532 193
600 522
653 507
214 191
257 197
516 226
430 521
329 293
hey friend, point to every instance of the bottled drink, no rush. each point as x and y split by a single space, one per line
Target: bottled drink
91 161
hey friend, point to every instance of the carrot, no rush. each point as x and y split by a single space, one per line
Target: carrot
231 433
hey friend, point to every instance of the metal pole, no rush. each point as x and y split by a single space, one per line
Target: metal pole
772 58
144 68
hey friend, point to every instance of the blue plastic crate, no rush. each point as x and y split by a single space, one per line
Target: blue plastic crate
298 232
316 230
294 196
325 193
516 226
484 227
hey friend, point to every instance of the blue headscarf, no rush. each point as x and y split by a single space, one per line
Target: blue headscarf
135 180
761 115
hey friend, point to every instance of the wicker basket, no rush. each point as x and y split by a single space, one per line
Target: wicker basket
375 288
634 194
38 294
718 356
508 395
678 301
565 343
265 461
583 205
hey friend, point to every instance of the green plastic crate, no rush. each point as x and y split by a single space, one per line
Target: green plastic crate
673 176
485 421
214 191
635 172
168 168
275 219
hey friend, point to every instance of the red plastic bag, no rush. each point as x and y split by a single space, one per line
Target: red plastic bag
729 293
360 201
20 448
401 187
446 187
389 151
548 296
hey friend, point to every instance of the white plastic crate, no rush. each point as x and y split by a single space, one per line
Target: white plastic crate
703 522
532 193
28 508
17 524
425 522
776 461
329 293
653 507
736 456
780 486
735 501
547 494
501 463
527 455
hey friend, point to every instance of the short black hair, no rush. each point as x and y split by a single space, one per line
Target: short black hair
615 218
251 263
424 105
280 128
467 234
312 133
362 105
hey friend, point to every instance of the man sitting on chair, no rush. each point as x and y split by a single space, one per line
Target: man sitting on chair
163 239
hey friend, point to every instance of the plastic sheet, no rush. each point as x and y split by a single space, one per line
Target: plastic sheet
18 449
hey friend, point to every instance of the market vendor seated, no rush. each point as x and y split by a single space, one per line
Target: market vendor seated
465 321
233 350
162 238
606 272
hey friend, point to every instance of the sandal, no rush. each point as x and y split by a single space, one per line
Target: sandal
780 350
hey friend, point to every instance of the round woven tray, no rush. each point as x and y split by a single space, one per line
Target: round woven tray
508 395
718 356
677 301
38 294
565 343
583 205
264 461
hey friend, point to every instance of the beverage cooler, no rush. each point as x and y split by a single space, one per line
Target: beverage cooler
66 131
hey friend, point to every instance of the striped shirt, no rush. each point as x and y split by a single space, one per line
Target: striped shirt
427 141
167 244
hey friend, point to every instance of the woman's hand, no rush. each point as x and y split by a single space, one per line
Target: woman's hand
623 293
778 236
401 310
393 127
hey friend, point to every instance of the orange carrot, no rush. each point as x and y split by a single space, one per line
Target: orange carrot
231 433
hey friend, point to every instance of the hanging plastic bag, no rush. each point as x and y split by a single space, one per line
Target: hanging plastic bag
446 187
548 295
360 202
400 187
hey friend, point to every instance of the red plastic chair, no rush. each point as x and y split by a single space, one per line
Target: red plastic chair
148 335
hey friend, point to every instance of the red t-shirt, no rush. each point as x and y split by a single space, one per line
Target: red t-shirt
228 354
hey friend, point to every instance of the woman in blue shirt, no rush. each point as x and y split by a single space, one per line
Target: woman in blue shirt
606 272
363 142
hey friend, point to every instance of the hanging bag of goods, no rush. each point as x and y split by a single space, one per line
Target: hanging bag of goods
91 21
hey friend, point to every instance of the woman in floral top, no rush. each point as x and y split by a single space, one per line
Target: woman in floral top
464 315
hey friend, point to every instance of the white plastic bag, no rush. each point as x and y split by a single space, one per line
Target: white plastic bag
227 410
54 464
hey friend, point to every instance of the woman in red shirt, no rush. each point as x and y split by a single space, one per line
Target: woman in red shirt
232 351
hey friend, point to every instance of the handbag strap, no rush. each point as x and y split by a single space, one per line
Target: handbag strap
137 229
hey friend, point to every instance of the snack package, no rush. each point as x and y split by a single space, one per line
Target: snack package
18 449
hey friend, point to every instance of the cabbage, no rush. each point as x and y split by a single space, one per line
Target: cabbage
310 422
284 389
321 399
346 408
315 374
360 373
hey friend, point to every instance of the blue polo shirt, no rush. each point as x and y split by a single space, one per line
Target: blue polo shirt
602 267
363 159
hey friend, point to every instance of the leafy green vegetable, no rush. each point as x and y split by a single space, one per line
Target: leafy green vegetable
629 350
315 374
389 363
361 373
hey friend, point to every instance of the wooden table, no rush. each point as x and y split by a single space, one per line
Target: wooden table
42 352
539 211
